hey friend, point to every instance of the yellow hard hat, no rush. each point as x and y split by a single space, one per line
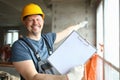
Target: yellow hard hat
32 9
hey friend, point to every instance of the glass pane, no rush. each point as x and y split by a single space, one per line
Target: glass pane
9 38
99 69
15 36
110 73
111 33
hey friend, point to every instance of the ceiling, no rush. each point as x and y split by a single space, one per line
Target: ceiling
10 10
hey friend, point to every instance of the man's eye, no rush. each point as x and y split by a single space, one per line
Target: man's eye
38 19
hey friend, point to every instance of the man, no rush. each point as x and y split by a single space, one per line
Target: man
23 57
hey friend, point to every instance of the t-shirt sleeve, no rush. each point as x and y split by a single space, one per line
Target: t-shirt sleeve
19 52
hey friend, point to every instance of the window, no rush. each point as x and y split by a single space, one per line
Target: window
11 36
99 40
99 27
111 38
108 34
111 34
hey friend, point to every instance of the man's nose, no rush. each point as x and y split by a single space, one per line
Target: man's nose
35 22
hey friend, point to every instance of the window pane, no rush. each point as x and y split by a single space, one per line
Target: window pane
110 73
99 69
15 36
9 38
111 33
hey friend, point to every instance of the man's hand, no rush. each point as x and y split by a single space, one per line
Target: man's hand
81 25
76 73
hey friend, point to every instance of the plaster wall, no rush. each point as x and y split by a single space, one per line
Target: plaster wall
67 13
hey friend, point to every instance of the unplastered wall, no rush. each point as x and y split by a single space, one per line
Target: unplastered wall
66 13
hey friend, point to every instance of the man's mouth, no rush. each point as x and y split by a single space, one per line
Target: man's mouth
36 27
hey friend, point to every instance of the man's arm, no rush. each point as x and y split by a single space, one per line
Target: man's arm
49 77
27 70
63 34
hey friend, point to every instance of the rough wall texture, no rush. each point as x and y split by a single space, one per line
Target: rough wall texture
68 13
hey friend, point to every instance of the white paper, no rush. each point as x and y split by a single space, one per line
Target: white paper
74 51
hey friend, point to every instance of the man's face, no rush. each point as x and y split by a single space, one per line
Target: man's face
34 24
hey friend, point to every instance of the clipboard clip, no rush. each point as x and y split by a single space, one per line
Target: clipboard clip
83 41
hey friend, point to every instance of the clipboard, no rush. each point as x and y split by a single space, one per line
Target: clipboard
74 51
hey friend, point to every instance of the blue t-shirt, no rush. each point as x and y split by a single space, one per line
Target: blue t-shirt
21 51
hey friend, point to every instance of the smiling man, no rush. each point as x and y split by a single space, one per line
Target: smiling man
29 64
